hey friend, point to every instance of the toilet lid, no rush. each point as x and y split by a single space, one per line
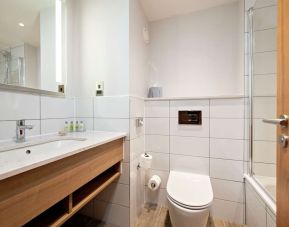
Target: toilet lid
191 190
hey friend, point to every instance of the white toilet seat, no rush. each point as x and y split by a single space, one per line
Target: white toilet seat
188 207
189 199
193 191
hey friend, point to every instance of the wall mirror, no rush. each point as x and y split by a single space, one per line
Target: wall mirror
32 45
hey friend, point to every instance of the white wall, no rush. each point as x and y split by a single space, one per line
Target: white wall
199 54
98 46
139 77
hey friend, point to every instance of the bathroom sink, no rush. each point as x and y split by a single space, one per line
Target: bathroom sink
32 152
55 142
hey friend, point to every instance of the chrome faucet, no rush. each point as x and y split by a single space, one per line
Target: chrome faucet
20 130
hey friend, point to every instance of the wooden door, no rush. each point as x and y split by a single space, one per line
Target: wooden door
283 108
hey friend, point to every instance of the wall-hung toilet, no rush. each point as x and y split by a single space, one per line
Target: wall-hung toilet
189 197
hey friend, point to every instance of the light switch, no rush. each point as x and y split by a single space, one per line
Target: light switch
99 88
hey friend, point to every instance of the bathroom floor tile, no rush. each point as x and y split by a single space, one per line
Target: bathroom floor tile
222 223
156 216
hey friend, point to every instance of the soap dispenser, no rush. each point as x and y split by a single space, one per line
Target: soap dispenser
71 127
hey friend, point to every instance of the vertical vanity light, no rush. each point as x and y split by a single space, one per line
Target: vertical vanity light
58 40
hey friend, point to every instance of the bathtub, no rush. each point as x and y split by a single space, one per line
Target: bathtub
269 183
260 206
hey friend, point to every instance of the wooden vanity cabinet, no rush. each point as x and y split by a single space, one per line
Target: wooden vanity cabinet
49 195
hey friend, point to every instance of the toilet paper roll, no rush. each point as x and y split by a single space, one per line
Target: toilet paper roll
154 183
146 160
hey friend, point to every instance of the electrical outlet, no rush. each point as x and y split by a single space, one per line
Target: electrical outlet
99 88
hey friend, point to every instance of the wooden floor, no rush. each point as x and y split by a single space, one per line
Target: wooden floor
153 216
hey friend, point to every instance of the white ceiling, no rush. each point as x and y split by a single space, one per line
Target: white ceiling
160 9
12 12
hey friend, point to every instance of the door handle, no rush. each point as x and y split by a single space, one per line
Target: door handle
282 121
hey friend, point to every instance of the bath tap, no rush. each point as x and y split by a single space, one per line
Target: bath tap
20 130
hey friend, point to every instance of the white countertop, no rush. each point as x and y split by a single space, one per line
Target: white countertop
16 161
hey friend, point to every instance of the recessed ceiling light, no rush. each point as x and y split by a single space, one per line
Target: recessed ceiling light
21 24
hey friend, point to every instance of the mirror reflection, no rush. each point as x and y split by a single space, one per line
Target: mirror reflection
31 44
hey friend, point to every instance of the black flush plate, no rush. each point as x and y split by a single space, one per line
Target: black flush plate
188 117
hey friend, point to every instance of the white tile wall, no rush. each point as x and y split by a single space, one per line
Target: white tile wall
157 143
227 149
84 107
16 106
157 126
157 109
265 63
228 190
190 146
190 164
261 19
227 210
227 128
46 114
136 147
264 169
265 40
264 151
160 161
137 143
215 148
264 85
111 107
136 107
55 108
263 131
111 124
226 169
116 193
227 108
111 213
264 3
